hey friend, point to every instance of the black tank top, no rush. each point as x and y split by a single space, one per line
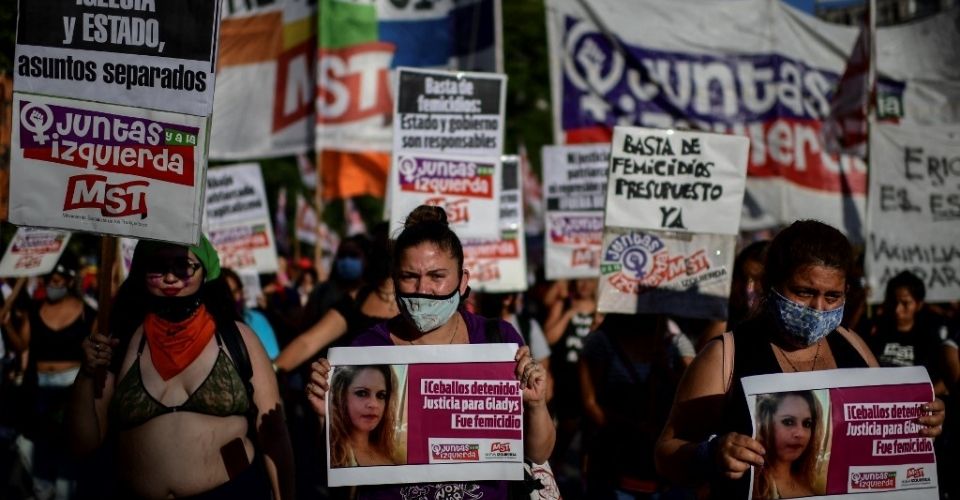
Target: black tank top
47 344
753 355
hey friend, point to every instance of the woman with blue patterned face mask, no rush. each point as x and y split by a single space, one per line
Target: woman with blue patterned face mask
430 284
796 329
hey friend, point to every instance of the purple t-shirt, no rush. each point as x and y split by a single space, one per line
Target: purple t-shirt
379 335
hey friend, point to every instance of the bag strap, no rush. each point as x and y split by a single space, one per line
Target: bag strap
235 345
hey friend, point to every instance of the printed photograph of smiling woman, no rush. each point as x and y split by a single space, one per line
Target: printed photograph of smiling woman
367 416
794 429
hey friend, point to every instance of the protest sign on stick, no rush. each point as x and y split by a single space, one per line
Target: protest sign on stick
237 220
33 252
447 142
672 214
455 413
142 53
93 167
575 183
859 436
913 215
500 265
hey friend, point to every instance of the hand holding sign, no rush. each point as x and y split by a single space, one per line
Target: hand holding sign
533 379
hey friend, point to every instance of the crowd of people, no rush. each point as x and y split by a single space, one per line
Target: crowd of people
189 391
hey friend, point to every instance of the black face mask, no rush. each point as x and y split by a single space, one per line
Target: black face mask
174 309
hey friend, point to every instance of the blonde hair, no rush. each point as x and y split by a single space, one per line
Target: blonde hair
803 468
382 437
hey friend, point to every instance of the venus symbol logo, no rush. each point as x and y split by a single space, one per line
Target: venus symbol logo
407 169
635 261
37 118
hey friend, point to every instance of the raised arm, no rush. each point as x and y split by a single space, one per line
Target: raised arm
539 434
330 327
87 413
685 453
557 322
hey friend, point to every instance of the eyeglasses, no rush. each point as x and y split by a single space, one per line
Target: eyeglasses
182 268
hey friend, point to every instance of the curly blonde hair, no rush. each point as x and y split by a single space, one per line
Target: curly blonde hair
382 437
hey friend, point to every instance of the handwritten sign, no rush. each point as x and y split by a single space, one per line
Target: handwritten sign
86 166
455 413
860 435
500 265
914 209
676 181
237 220
142 53
667 273
575 184
33 252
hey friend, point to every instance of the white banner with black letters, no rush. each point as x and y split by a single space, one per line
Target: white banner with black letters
913 215
141 53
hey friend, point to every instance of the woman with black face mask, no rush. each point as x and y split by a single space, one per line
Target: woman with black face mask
53 334
430 284
795 329
191 418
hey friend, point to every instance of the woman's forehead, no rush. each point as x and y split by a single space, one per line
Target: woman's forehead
819 276
427 252
368 376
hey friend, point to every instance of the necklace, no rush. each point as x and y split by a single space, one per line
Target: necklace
816 357
456 328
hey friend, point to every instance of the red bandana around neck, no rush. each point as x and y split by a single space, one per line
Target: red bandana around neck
174 345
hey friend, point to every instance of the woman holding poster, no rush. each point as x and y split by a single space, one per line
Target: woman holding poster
430 283
790 425
363 426
797 329
188 388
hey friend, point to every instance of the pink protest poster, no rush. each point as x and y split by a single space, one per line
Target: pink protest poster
837 433
410 414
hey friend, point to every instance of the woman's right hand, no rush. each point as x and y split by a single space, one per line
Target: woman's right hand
97 352
318 386
735 453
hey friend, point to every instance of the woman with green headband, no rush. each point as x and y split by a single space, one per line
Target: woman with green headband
188 422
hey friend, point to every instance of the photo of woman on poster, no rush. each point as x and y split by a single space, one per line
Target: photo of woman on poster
363 413
791 427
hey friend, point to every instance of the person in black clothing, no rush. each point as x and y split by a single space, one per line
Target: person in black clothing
707 436
906 333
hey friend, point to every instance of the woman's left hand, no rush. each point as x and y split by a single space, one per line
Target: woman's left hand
532 377
932 421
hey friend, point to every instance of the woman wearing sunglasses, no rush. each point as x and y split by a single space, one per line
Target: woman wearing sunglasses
186 422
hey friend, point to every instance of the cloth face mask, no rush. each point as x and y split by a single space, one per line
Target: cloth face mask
804 325
428 312
350 268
